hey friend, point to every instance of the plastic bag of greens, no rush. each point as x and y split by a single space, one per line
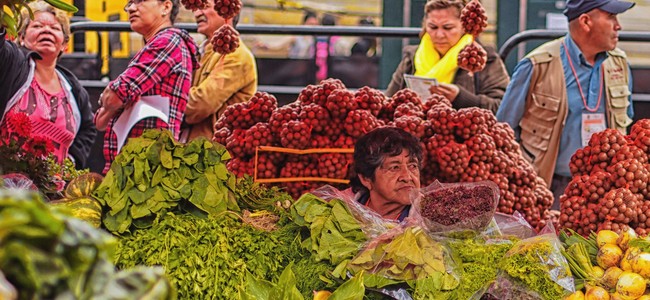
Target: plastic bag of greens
456 207
372 224
533 268
407 254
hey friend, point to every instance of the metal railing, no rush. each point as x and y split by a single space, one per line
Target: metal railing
395 32
365 31
548 34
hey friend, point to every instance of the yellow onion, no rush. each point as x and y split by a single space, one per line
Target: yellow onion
578 295
626 260
630 285
322 295
606 237
608 256
644 297
625 237
596 293
597 272
641 264
610 278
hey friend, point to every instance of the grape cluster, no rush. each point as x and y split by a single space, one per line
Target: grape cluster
227 9
225 40
473 18
194 4
472 58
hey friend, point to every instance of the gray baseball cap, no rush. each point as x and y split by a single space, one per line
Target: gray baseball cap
574 8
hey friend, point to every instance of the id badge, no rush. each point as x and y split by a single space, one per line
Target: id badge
592 123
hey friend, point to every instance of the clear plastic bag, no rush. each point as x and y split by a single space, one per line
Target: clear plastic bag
406 254
510 225
533 269
372 223
17 181
456 207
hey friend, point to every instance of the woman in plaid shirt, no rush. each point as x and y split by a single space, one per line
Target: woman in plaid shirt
162 68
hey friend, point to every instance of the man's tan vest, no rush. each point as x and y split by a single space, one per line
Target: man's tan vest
546 104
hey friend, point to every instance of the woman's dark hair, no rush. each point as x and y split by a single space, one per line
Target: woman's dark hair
308 15
328 20
372 149
175 9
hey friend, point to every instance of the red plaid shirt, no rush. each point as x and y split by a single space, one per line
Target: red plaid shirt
163 67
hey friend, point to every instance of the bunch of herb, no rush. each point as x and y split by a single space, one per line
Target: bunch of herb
154 174
24 153
47 255
255 196
538 264
407 254
333 232
480 259
207 258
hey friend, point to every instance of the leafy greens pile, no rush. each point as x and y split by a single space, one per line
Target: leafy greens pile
46 254
208 258
154 174
334 234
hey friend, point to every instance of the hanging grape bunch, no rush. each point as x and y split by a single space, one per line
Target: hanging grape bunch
227 9
472 58
473 18
226 39
10 17
194 4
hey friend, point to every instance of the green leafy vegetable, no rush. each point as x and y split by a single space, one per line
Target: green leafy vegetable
154 174
46 254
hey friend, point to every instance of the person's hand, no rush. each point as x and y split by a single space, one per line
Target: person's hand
450 91
109 100
109 103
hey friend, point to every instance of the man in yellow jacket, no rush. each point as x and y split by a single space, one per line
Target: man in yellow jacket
220 80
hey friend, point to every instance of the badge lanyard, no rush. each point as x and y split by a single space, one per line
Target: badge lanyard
575 74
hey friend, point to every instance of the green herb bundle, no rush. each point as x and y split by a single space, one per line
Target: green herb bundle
480 260
154 174
207 258
538 264
45 254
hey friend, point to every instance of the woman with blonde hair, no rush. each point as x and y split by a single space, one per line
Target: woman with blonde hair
31 82
442 38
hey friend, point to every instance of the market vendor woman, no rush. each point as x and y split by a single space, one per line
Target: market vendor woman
386 171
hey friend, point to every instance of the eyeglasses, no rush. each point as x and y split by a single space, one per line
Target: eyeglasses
128 3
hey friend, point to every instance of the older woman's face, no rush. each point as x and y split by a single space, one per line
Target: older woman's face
44 34
444 28
395 179
147 15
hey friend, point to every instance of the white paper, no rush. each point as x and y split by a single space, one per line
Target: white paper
420 85
154 106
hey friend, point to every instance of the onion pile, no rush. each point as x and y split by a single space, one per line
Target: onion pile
609 189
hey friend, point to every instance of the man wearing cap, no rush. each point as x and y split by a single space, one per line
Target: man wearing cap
567 89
